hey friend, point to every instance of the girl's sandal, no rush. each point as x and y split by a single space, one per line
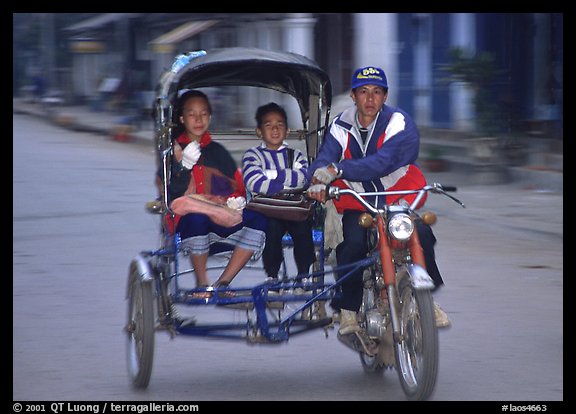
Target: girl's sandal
203 294
225 293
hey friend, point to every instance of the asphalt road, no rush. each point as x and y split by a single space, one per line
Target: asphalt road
78 219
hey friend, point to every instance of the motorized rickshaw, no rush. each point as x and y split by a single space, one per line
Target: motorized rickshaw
397 314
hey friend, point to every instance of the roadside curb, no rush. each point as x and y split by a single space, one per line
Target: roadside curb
65 119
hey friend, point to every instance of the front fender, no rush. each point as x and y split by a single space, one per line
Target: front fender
139 269
419 277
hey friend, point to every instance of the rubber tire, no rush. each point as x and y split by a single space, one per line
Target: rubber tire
140 342
417 386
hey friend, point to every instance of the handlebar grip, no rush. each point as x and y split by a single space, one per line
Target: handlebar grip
450 188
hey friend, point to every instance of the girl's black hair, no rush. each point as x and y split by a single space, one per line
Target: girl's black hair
193 93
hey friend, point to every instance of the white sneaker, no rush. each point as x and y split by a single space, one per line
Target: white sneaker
348 322
336 317
442 320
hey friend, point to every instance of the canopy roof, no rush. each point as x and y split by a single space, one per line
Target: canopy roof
285 72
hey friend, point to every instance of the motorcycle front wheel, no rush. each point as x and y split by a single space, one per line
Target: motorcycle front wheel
417 350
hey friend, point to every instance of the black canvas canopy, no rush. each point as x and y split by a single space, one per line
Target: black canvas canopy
285 72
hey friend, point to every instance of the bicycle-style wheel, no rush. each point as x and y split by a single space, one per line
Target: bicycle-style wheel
140 329
417 351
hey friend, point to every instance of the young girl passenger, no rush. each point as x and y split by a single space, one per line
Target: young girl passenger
203 166
267 170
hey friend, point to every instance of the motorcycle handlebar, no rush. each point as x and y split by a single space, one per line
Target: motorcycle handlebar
449 188
336 192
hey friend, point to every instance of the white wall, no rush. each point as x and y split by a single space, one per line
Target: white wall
376 44
462 34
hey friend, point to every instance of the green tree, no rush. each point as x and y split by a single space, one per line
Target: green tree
480 72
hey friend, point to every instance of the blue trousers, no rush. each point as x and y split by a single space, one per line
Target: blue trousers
273 255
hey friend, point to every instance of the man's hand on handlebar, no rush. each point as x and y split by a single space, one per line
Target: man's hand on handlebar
317 192
325 175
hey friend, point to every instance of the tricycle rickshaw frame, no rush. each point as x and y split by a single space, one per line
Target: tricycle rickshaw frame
153 288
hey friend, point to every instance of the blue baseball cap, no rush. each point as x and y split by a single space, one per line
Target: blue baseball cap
369 75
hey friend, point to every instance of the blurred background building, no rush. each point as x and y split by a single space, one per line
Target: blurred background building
482 73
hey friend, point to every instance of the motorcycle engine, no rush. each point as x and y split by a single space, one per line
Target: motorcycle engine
375 323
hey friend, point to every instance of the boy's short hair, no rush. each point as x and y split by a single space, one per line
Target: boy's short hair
264 110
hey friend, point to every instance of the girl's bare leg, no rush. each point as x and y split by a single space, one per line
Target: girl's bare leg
238 260
199 262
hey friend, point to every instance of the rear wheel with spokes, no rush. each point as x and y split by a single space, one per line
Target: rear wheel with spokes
140 330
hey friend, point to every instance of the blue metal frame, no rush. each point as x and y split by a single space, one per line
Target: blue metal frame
310 86
258 297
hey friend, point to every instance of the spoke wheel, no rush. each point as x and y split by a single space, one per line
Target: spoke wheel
417 351
140 330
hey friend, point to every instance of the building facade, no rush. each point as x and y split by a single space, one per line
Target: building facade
523 86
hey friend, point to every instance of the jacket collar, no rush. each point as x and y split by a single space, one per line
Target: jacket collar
347 119
205 139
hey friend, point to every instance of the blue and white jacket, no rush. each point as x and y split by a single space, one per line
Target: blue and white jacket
266 171
384 162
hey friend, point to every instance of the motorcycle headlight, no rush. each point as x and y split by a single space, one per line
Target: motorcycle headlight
401 226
